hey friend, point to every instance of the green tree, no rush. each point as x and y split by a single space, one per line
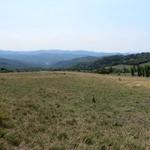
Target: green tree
147 71
132 71
139 70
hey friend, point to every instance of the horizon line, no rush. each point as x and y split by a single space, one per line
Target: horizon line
74 50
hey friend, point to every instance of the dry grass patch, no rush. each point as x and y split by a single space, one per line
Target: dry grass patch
55 110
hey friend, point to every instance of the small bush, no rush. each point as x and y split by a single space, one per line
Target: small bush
88 140
57 147
2 132
62 136
13 138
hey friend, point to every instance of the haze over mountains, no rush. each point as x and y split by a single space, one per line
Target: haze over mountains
47 59
60 59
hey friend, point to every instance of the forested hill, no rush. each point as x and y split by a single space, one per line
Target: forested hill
48 58
45 59
71 63
7 64
132 59
80 62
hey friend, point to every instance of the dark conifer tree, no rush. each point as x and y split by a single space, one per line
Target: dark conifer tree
139 70
132 71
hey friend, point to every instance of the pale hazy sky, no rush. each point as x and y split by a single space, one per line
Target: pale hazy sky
105 25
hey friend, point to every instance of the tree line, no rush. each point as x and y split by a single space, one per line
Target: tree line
140 71
135 70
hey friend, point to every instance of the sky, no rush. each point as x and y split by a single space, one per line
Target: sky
98 25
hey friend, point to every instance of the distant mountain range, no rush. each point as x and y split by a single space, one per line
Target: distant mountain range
47 59
68 60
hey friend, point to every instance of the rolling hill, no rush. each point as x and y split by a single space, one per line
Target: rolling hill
12 64
71 63
48 58
132 59
76 60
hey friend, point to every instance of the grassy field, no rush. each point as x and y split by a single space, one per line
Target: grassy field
55 111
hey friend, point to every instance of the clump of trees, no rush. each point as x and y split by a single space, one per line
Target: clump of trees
105 70
111 70
140 71
135 70
5 70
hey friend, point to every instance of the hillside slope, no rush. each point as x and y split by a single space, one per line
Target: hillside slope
12 64
70 63
133 59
